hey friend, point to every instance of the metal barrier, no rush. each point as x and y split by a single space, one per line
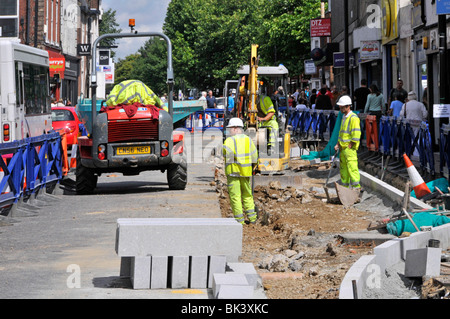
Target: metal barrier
30 165
205 119
315 122
444 147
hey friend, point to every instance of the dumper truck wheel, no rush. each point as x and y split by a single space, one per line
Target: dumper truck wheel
86 180
177 175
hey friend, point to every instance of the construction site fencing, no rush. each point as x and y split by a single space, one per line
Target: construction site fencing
389 136
205 119
30 165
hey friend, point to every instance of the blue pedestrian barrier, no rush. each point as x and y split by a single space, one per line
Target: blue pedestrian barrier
29 165
444 147
385 135
425 148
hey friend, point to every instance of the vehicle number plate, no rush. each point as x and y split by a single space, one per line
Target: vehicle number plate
133 150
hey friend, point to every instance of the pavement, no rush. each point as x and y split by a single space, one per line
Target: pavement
63 246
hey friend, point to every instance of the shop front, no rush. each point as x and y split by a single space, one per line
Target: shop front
69 86
57 64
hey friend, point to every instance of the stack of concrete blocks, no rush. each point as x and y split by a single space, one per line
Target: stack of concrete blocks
412 250
238 282
159 253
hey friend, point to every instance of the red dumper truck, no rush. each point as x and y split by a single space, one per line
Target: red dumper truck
118 142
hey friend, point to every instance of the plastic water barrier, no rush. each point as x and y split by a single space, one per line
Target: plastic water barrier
29 165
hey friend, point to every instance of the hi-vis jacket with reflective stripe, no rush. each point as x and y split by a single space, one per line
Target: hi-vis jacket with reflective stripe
132 91
239 153
350 131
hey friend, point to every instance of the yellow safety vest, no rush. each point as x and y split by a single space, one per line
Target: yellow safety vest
266 106
132 91
350 131
239 153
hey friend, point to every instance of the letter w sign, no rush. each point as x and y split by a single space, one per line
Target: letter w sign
83 49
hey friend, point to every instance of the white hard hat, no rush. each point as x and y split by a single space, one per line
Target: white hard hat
235 122
344 100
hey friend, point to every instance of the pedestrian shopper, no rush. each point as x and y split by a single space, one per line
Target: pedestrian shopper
281 97
296 95
312 98
375 101
323 101
348 144
395 108
334 95
399 92
211 100
303 99
413 109
231 101
241 156
360 96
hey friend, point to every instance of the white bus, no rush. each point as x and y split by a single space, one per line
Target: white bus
25 107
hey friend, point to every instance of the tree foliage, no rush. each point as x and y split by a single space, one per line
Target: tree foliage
212 38
108 24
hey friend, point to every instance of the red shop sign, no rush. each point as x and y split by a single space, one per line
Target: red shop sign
320 27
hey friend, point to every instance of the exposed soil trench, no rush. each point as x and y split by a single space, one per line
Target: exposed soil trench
295 245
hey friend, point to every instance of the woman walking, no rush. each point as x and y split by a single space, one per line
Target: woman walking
375 102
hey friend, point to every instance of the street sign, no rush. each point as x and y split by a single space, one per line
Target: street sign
310 67
443 7
320 27
441 111
83 49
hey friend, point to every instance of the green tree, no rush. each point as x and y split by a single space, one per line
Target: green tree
150 65
285 34
124 68
108 24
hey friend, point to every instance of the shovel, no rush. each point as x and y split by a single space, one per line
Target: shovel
329 174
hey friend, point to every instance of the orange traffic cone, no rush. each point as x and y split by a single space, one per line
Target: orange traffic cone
420 188
73 156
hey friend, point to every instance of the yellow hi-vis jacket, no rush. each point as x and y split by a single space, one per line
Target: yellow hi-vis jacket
266 106
350 131
240 154
133 91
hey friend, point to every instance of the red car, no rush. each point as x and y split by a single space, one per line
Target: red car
65 118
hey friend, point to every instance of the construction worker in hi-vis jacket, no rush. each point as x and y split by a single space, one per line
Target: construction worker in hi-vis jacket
348 144
241 156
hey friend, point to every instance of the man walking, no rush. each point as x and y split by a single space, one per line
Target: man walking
348 144
398 93
211 100
241 157
360 96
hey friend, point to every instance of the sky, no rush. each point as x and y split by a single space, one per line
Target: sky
149 16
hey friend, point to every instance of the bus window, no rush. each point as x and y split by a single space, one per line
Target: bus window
36 89
19 86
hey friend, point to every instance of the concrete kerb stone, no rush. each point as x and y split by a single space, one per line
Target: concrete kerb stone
389 191
359 273
233 279
389 254
179 237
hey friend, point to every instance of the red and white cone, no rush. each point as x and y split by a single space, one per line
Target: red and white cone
420 187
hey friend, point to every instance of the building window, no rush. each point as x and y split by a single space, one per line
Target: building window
9 17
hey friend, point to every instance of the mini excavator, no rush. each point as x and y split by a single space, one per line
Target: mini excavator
256 82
